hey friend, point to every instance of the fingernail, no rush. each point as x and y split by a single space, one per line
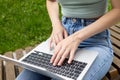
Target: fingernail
54 64
50 61
69 62
59 64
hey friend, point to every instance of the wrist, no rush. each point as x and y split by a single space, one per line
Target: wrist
77 37
57 26
56 23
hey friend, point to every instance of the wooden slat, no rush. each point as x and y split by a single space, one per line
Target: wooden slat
17 55
116 63
118 25
113 73
115 41
27 49
117 78
116 35
9 68
116 29
1 67
105 78
116 51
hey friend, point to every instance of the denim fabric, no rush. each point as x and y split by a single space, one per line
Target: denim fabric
99 42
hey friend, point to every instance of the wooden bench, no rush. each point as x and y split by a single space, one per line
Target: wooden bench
9 71
114 72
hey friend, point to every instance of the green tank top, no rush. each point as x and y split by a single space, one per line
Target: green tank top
83 8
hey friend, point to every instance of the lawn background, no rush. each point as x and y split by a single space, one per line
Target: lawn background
23 23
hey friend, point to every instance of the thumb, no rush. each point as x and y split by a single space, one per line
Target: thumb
65 34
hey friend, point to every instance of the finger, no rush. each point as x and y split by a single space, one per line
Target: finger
56 39
60 37
71 56
54 42
65 34
63 57
57 59
54 55
53 58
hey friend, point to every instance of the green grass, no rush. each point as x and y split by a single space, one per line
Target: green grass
22 23
109 5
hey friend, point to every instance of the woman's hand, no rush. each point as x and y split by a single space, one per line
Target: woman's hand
66 47
58 34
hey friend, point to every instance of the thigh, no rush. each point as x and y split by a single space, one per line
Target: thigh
101 65
29 75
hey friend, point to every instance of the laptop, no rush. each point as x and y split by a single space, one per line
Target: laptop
38 60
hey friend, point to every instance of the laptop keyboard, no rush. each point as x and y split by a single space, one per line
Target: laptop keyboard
41 59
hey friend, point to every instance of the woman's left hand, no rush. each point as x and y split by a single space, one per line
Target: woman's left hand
66 47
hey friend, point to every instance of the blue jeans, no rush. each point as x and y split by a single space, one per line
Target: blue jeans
99 42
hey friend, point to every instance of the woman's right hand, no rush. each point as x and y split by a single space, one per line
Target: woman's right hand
57 35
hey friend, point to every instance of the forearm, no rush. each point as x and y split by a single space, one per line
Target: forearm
98 26
53 11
